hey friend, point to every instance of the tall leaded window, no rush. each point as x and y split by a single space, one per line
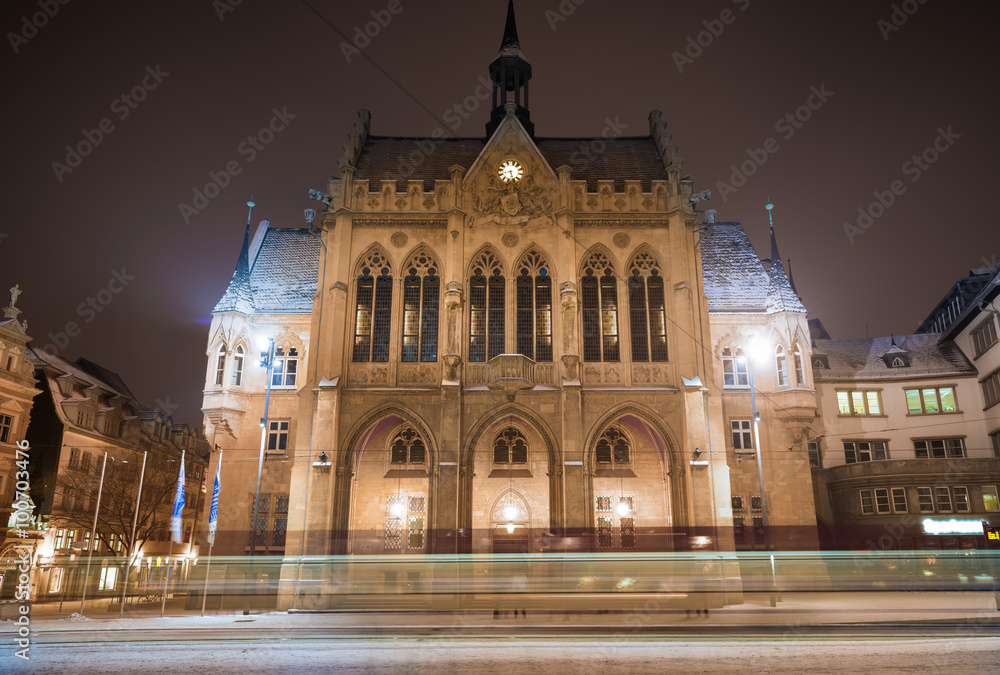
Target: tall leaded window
534 308
612 448
734 368
238 366
800 372
486 308
286 367
781 365
599 290
510 447
220 366
647 310
374 309
407 448
421 293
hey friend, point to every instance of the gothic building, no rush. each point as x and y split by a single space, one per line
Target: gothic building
513 348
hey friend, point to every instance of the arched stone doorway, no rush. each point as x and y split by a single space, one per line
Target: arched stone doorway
636 486
510 524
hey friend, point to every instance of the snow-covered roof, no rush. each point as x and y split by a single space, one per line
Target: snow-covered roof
737 280
280 278
862 359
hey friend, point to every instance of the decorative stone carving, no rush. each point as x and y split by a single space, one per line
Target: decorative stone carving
399 239
567 293
571 365
622 240
452 363
510 240
453 296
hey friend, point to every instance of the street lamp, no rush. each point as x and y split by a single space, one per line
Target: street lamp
93 532
135 520
756 351
267 362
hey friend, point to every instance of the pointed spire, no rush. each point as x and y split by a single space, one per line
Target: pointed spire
791 281
239 295
510 40
775 256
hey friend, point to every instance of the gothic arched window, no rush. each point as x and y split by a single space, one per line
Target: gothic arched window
374 309
781 364
407 448
238 366
612 447
599 288
510 447
220 366
800 372
421 293
486 308
534 308
647 310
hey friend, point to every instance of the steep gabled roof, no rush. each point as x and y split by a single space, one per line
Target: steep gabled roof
280 278
623 158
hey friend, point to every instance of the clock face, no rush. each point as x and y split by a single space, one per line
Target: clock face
510 171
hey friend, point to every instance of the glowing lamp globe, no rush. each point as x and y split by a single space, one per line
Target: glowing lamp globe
510 512
622 508
397 510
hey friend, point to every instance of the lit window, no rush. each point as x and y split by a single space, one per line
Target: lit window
616 528
742 438
374 309
599 291
612 448
277 435
990 501
865 451
931 400
421 293
734 368
487 324
285 369
991 389
647 310
781 364
939 448
404 522
864 402
534 308
220 366
238 367
800 372
6 422
984 336
407 448
899 500
510 447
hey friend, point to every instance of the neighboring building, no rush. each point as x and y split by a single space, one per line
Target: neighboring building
910 426
17 393
511 340
85 413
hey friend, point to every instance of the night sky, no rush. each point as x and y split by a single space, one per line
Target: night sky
217 81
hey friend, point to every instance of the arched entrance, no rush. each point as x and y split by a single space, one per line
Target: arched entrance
510 524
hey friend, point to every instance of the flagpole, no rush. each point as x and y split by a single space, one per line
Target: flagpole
93 533
213 515
135 520
176 529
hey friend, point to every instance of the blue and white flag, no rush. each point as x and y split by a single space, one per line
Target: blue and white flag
213 515
176 519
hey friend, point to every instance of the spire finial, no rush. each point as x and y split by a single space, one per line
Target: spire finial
775 257
510 29
251 205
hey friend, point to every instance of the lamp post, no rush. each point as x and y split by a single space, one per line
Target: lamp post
267 361
135 521
755 350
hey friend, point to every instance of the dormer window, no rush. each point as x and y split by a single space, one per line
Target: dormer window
821 361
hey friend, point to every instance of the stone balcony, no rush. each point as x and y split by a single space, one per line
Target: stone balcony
979 469
509 372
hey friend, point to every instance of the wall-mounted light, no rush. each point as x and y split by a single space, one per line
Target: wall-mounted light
697 453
